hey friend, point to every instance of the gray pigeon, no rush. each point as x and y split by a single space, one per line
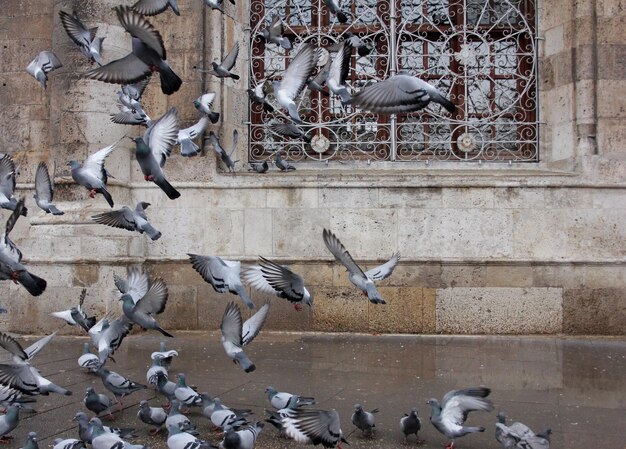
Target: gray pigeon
186 136
129 219
68 443
9 396
294 79
153 149
131 111
399 94
223 69
86 428
184 394
108 336
153 416
217 4
282 164
178 420
280 399
8 422
98 403
148 55
119 385
161 361
259 95
334 6
129 116
20 374
221 152
338 72
103 439
8 172
225 418
363 280
155 369
259 167
92 175
242 439
11 267
136 284
411 424
290 130
75 315
274 33
316 83
449 417
31 441
520 436
236 334
152 303
154 7
363 48
223 275
312 426
85 38
208 404
89 360
44 63
44 190
274 279
166 388
364 420
178 439
204 103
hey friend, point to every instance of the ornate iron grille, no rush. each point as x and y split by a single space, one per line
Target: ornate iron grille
481 53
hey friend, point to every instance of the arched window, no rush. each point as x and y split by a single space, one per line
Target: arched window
481 53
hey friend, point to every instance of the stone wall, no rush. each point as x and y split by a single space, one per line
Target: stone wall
531 248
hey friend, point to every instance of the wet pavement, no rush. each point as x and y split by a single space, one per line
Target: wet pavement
576 386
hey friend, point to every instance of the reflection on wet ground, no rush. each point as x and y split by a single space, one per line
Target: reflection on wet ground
576 386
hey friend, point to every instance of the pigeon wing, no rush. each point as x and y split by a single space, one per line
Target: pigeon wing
232 324
340 67
129 69
319 426
19 377
34 349
255 279
393 95
136 285
48 61
153 303
163 135
43 184
295 77
150 7
7 176
197 129
122 218
456 408
253 325
12 345
383 271
95 162
75 29
230 59
341 254
283 279
137 26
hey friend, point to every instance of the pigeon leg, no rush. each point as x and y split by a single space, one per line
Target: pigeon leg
15 276
121 401
6 439
450 445
112 417
297 306
92 193
155 431
149 178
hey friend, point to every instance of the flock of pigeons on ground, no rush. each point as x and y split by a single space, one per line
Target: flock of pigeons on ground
143 298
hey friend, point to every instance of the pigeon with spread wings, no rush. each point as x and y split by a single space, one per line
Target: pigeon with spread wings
129 219
44 190
92 175
236 334
84 37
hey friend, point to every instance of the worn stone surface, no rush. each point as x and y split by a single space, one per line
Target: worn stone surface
594 310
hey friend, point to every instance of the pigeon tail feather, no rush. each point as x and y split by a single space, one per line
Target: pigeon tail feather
34 284
169 190
170 82
107 196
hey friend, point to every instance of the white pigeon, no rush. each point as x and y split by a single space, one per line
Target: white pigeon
186 136
363 280
236 334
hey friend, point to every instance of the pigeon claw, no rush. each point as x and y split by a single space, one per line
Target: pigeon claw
92 193
15 275
155 432
149 178
298 307
6 439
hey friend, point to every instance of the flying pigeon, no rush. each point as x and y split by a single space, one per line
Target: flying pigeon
258 94
89 360
103 439
312 426
363 280
31 441
363 48
44 63
236 334
449 417
225 418
223 275
119 385
282 164
98 403
153 416
8 422
85 38
44 190
338 72
259 167
76 315
86 428
217 4
152 303
334 6
136 284
9 396
520 436
20 374
399 94
131 111
92 175
363 420
279 280
128 116
294 79
154 7
317 82
290 130
280 399
153 149
221 152
108 336
8 171
186 136
186 395
11 267
68 443
223 69
242 439
204 103
178 420
274 33
178 439
411 424
129 219
148 55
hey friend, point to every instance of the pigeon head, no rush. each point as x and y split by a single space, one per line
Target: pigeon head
270 389
501 418
358 407
144 205
181 380
143 404
89 391
80 416
73 164
435 407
